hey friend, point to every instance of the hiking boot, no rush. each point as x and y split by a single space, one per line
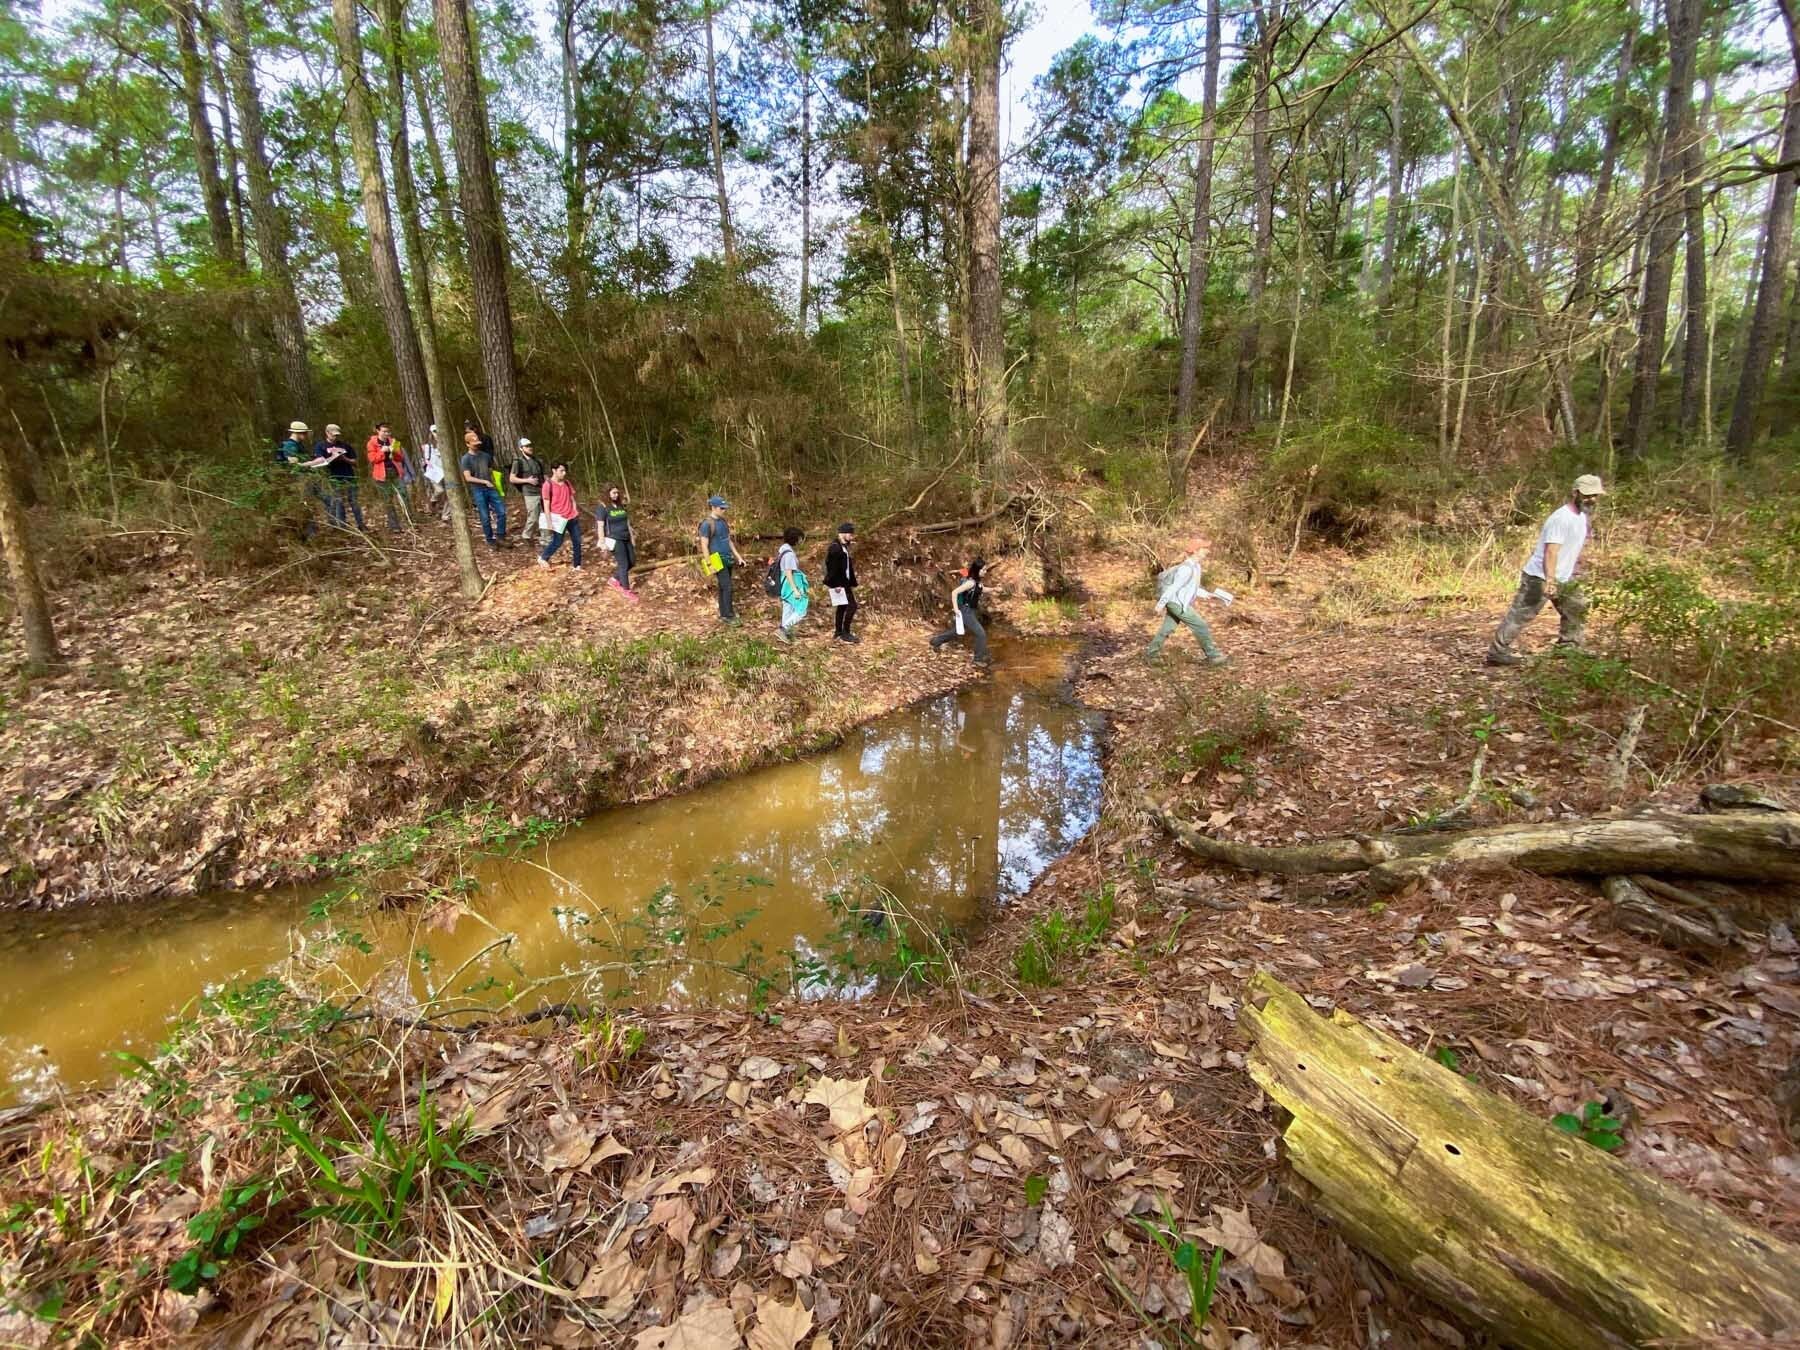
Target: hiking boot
1220 660
787 635
1499 658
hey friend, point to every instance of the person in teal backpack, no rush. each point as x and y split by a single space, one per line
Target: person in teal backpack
795 589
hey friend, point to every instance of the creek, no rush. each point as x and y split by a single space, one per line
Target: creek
919 823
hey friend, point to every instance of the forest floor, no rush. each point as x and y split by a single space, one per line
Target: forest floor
976 1165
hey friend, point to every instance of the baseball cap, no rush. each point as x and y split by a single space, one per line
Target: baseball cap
332 428
716 500
1588 485
846 528
298 426
524 441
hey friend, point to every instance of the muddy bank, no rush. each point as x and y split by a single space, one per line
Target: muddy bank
210 736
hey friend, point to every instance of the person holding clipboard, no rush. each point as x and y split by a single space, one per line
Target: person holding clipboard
965 615
561 514
840 583
718 555
616 538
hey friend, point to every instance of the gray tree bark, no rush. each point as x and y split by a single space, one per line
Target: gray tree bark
28 590
1777 242
987 338
1193 308
1263 189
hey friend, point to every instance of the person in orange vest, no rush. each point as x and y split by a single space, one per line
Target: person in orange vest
387 466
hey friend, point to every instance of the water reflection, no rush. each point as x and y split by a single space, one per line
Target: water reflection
931 815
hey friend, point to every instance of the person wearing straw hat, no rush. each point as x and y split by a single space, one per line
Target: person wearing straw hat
291 451
1550 575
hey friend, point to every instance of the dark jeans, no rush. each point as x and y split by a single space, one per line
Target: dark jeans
845 615
341 503
724 579
623 559
972 626
393 496
491 507
573 530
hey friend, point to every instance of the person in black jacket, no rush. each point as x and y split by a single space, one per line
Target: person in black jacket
840 575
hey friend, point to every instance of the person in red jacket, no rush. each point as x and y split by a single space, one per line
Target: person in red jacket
387 466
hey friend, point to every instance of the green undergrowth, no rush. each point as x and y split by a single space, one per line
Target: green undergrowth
1054 942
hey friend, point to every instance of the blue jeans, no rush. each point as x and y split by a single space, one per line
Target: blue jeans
341 494
573 530
491 507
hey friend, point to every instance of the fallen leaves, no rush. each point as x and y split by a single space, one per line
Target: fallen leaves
843 1098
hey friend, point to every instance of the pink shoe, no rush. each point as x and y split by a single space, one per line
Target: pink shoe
632 595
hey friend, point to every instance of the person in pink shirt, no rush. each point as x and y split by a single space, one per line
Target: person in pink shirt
562 514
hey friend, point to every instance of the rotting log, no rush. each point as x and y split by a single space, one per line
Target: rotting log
1544 1239
1741 845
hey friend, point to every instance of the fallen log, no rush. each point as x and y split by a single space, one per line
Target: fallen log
1684 922
1544 1239
1741 845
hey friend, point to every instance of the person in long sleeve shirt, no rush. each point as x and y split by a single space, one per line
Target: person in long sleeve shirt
1175 604
840 575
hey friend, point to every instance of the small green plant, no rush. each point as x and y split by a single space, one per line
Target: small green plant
1037 1187
1057 937
1595 1125
369 1184
219 1231
1200 1272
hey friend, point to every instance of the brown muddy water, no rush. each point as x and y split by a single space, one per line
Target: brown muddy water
922 821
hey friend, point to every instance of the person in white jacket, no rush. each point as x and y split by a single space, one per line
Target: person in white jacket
1177 589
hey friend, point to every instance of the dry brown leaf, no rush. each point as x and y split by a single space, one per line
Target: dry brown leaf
779 1326
570 1143
843 1097
705 1323
759 1068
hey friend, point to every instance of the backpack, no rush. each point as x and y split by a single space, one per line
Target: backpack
772 578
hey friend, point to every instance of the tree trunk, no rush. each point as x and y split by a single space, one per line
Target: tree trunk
1663 219
1390 229
240 234
483 225
28 591
718 148
1536 1235
206 150
1193 307
1694 357
805 194
1761 846
1593 220
1777 241
574 165
1263 189
440 174
271 227
987 338
418 261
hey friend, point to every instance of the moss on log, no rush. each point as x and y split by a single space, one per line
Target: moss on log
1544 1239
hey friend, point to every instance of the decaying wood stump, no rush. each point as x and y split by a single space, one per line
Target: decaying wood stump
1509 1222
1758 845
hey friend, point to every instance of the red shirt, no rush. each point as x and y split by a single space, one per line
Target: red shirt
559 499
383 459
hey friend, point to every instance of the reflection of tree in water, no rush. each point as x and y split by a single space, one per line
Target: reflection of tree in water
950 806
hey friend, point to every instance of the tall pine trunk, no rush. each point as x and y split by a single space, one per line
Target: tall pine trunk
1663 222
206 149
1193 309
727 236
805 191
418 262
987 340
1263 190
1390 230
1759 342
1593 220
270 225
234 184
21 562
483 225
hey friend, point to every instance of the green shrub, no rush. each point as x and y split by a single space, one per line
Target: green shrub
1057 938
1231 729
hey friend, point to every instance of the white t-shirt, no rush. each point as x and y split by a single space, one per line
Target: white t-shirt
434 462
1568 529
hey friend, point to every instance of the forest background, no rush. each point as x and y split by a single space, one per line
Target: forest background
803 248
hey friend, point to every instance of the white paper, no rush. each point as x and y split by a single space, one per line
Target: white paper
1223 596
960 630
549 520
840 596
608 543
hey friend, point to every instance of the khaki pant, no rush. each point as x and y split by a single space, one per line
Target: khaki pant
1572 604
534 505
1174 614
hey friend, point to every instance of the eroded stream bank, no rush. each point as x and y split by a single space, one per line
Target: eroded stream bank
931 815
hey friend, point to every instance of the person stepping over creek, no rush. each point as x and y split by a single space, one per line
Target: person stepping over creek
1176 591
965 614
